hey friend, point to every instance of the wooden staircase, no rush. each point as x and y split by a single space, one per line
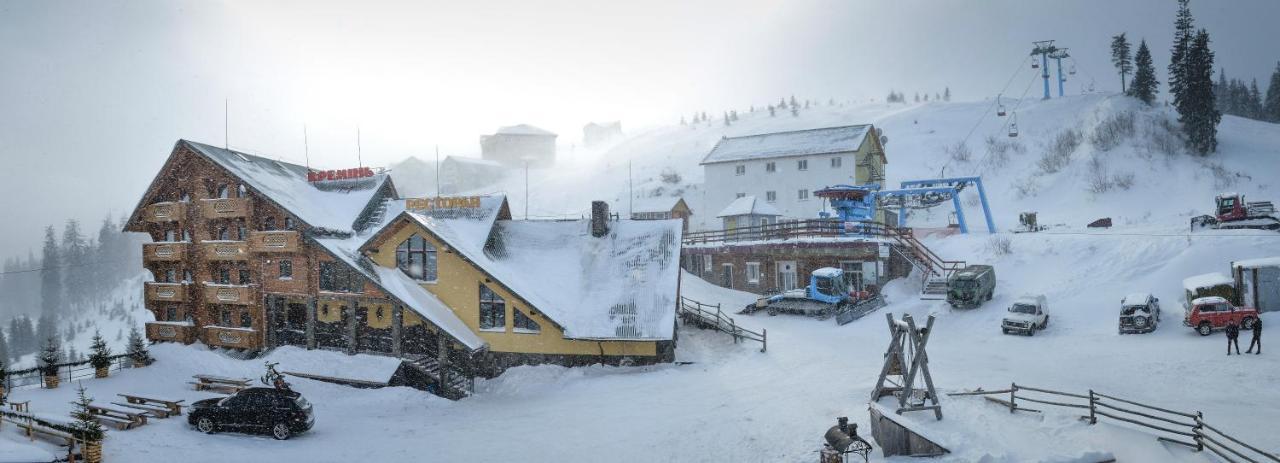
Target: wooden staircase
934 270
457 383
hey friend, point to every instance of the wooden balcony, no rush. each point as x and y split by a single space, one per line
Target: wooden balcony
225 250
163 252
228 294
225 208
171 332
274 241
238 338
166 212
165 292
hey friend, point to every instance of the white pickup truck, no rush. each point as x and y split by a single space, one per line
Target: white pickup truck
1027 315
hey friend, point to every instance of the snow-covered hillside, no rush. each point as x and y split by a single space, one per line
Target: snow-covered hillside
112 315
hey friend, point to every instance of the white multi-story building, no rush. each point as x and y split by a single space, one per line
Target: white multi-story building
784 168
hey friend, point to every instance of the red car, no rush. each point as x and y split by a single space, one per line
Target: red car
1210 313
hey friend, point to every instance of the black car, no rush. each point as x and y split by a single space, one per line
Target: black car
280 412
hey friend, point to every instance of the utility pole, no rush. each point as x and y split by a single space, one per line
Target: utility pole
226 123
359 155
438 172
306 147
526 189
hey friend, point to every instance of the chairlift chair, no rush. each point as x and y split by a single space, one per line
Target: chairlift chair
1072 70
1035 64
1000 107
1013 126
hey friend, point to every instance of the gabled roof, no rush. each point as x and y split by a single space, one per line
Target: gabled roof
1206 280
619 287
524 129
474 161
748 205
658 204
783 144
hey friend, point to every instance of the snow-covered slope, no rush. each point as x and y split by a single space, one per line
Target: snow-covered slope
113 315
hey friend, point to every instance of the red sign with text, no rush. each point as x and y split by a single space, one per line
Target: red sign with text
340 174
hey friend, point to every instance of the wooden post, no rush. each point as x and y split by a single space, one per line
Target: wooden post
442 357
397 325
269 331
1198 430
1013 388
1093 418
311 323
764 340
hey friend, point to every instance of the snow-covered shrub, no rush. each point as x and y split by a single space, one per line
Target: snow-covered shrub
959 152
999 245
1162 136
1058 153
998 149
1123 181
670 175
1112 130
1099 180
1026 188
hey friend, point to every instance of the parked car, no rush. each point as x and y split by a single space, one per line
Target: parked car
1139 313
280 412
971 286
1027 315
1211 313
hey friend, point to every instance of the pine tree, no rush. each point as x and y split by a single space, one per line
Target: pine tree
926 97
1255 101
1271 106
50 275
726 119
794 105
1120 58
101 356
138 347
946 94
4 349
771 111
86 425
1196 108
1183 26
50 356
1145 85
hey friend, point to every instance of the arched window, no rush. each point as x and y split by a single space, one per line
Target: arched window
286 269
246 321
269 223
288 223
241 191
417 258
183 196
222 192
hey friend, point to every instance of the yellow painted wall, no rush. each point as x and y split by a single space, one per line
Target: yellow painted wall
458 286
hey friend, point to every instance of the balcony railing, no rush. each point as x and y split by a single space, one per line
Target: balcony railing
228 294
238 338
273 241
165 292
166 212
171 331
789 231
163 252
224 208
225 250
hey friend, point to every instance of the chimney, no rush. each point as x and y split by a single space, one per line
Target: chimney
599 218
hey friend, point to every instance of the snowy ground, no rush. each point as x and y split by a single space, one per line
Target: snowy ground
733 403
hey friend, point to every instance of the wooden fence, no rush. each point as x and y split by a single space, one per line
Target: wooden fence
1183 428
711 317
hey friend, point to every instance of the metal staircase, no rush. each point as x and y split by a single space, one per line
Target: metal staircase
934 270
457 384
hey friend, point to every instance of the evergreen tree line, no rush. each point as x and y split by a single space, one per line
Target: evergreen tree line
899 97
791 105
1236 98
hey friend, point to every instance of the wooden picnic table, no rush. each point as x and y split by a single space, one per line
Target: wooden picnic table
173 406
117 418
219 383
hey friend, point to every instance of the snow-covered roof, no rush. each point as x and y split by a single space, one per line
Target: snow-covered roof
1207 280
1135 299
748 205
332 205
827 272
1256 263
622 286
782 144
1209 300
659 204
523 129
473 161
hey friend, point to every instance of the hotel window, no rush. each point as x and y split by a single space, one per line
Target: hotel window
222 234
771 167
417 258
170 275
245 277
493 310
835 162
241 191
171 314
286 269
226 317
706 263
740 195
183 196
186 276
802 164
753 273
288 223
269 223
186 235
770 196
803 195
224 276
171 235
241 233
740 170
335 277
222 192
523 323
246 321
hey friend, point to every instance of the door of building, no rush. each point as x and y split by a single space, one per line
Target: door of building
786 273
726 277
852 274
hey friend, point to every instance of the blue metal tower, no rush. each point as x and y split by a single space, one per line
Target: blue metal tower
1044 48
1058 55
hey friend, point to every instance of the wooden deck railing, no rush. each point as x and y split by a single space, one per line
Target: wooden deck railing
1183 425
711 317
783 231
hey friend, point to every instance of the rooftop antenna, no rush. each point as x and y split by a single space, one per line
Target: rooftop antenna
359 156
226 118
526 180
306 147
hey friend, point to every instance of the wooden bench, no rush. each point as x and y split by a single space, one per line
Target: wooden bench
24 407
174 406
32 431
219 383
157 412
119 419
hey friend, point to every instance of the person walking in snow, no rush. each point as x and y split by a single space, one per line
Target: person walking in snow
1233 337
1257 337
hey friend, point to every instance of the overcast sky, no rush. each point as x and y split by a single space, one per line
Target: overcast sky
93 94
